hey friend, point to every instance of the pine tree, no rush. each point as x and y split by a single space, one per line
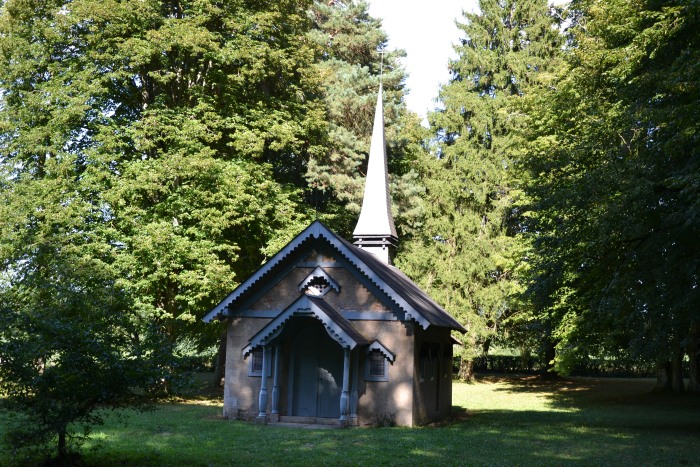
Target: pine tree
468 254
353 58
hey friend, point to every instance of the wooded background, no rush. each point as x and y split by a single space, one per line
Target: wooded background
155 153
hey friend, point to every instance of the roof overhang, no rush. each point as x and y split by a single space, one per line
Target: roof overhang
416 305
337 327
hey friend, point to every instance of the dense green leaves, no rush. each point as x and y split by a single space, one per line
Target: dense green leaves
69 346
613 156
467 254
187 122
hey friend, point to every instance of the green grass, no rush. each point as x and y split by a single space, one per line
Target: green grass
499 421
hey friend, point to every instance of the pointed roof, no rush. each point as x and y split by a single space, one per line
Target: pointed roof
375 218
396 286
337 326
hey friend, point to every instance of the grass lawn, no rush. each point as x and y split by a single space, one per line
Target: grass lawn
500 421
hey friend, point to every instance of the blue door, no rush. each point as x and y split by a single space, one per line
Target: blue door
318 373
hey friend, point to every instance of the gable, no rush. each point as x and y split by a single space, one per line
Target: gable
391 288
337 327
347 292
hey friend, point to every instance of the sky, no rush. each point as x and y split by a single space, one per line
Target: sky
426 31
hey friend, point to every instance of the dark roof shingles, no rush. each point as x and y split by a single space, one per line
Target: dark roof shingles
407 289
340 320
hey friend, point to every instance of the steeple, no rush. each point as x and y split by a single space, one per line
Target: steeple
375 231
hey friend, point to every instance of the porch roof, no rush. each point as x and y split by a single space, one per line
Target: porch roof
338 327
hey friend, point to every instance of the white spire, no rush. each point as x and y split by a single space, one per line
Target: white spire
375 229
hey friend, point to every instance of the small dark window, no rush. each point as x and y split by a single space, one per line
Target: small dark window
376 367
256 362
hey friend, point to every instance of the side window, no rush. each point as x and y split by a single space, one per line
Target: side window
377 362
255 362
376 367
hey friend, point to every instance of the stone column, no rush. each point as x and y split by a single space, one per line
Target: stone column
263 385
344 396
275 414
354 396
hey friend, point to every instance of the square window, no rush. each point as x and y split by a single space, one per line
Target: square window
376 367
255 362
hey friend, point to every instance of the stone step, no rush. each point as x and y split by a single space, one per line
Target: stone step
309 420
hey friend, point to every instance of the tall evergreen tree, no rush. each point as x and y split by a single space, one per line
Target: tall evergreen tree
468 253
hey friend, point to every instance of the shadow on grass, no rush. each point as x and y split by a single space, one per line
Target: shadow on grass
485 437
598 422
584 392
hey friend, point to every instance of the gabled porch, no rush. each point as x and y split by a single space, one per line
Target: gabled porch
312 354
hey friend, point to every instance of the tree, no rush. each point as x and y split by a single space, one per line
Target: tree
353 61
615 162
150 154
193 121
216 133
468 253
69 350
69 345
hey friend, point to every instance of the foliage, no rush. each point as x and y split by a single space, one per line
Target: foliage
151 153
354 60
614 154
68 344
68 349
620 365
467 254
190 124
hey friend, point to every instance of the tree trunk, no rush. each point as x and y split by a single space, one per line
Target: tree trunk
466 369
677 383
220 364
663 377
550 353
62 449
694 358
486 346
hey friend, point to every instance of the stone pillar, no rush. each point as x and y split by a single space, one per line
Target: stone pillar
275 414
344 396
263 385
354 395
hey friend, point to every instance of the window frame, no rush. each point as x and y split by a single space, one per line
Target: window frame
368 365
252 372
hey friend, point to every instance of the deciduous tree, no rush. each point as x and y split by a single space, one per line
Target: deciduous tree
615 158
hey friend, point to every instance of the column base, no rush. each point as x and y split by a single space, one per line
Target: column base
261 420
274 418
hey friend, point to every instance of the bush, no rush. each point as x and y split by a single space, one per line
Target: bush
605 367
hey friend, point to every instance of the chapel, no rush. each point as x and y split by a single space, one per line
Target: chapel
329 331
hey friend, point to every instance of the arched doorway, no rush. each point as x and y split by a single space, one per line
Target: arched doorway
317 373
